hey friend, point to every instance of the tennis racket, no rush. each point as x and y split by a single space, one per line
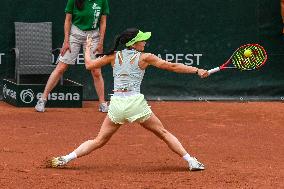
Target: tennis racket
246 57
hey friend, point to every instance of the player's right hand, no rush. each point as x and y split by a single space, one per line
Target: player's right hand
203 73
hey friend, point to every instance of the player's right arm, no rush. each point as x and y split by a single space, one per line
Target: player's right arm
174 67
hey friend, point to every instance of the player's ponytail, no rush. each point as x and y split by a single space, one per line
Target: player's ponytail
115 46
122 39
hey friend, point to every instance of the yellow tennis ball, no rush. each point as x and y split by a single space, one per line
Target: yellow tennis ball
247 53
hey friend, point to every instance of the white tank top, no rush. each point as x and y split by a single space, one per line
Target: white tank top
126 72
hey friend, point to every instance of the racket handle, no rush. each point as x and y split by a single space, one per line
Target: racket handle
214 70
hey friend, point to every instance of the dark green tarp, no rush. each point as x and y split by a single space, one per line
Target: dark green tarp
200 33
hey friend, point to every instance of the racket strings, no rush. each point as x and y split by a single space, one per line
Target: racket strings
254 61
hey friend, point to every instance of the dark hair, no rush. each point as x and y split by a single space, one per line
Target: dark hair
123 38
79 4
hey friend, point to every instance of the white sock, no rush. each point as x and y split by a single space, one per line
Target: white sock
70 156
187 157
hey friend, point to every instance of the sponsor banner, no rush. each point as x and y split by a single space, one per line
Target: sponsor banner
27 95
185 58
189 59
9 92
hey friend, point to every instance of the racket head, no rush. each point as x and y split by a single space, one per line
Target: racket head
257 58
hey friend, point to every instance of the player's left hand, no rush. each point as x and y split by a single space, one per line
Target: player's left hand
89 41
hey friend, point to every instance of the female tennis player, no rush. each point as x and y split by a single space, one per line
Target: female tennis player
127 103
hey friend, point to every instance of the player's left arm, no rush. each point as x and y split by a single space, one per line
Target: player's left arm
174 67
91 64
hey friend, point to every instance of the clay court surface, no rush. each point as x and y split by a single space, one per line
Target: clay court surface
241 145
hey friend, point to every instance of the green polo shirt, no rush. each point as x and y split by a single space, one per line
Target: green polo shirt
89 17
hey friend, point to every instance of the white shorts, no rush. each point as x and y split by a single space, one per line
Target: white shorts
124 108
77 39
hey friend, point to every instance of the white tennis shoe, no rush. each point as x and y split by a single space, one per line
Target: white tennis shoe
195 165
40 105
103 107
57 162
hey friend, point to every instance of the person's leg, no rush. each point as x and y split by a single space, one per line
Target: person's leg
51 83
108 128
99 84
154 125
54 78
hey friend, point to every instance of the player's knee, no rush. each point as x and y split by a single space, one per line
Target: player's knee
100 141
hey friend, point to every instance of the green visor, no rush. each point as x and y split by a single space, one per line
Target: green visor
141 36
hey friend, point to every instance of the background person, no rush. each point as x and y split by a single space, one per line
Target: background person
127 103
83 17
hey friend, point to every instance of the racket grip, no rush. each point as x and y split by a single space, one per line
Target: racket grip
214 70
